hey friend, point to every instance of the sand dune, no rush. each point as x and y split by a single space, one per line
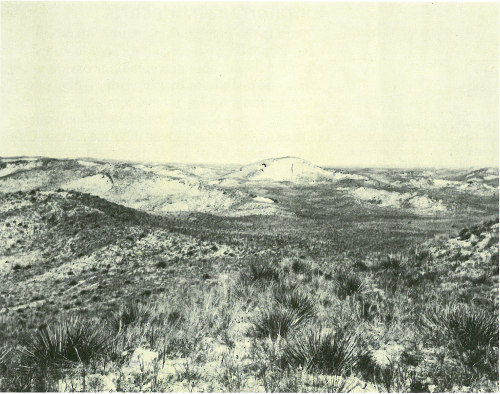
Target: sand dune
285 169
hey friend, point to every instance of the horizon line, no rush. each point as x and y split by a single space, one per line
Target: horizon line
341 166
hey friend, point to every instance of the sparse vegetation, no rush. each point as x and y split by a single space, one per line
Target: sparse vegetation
334 296
128 313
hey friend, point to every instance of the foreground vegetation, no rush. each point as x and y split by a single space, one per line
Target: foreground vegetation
422 320
329 294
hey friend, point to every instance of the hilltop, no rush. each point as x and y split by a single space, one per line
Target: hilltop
283 169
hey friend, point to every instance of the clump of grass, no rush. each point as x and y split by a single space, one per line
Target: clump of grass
277 321
296 300
260 272
347 283
468 328
299 266
127 314
421 254
391 262
161 264
332 353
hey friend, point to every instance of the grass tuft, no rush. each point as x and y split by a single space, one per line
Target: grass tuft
469 328
128 314
347 283
327 353
277 321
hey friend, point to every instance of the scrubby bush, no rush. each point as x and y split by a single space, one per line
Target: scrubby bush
333 353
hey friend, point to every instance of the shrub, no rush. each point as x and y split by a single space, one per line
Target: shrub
347 283
277 320
327 353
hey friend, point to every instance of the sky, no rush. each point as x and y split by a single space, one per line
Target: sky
338 84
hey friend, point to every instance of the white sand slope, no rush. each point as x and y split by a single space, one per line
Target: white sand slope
385 198
86 163
473 186
340 176
94 184
285 169
23 165
263 199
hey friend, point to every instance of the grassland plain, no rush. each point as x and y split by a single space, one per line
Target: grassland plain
338 294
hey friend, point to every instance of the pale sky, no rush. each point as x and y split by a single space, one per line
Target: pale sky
359 84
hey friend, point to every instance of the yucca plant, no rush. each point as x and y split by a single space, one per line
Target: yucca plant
347 283
333 353
392 262
296 300
3 354
52 349
469 328
63 344
277 320
260 272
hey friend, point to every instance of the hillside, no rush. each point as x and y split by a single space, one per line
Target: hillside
75 244
169 189
177 326
283 169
